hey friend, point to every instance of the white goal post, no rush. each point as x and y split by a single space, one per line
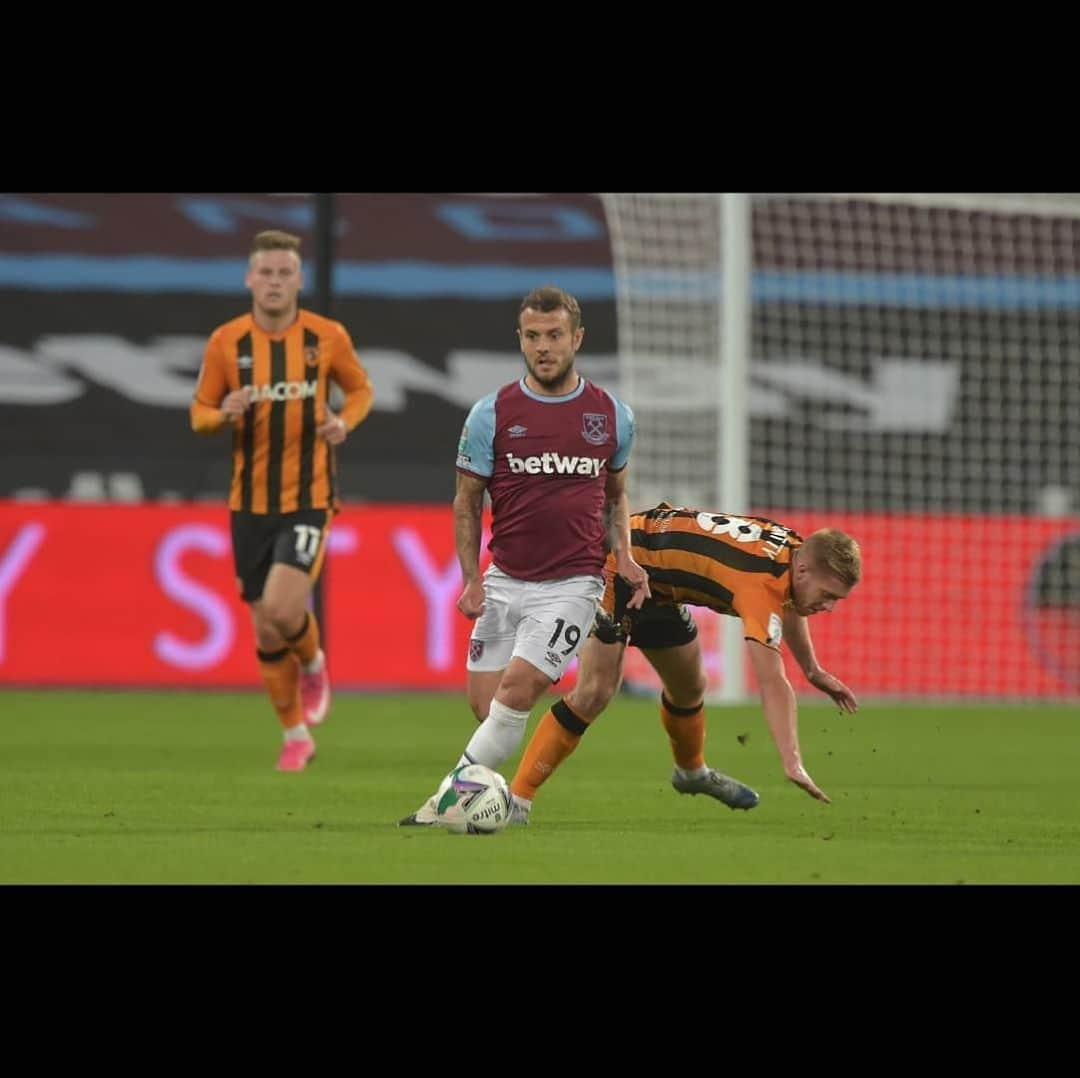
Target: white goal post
683 354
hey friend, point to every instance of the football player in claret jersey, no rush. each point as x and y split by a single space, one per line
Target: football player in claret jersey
745 567
265 378
551 449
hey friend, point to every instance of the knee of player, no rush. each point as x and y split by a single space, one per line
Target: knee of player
691 689
522 685
589 698
285 616
686 693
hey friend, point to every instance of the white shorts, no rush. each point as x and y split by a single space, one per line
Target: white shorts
544 622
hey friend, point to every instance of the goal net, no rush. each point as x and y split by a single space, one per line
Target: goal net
912 375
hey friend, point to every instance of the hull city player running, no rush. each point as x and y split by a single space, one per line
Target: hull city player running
551 450
750 568
265 377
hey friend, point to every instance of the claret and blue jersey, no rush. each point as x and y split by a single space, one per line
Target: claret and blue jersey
546 461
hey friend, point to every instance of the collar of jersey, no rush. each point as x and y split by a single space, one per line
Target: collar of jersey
553 400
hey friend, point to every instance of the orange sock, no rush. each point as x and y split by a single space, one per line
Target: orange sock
305 644
555 737
686 731
281 676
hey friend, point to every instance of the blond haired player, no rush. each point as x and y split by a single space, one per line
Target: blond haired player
265 378
745 567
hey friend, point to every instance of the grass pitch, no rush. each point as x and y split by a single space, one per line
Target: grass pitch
99 787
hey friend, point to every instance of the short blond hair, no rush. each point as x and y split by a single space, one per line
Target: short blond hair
837 552
273 240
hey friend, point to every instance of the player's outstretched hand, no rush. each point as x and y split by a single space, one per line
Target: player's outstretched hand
801 779
638 580
834 687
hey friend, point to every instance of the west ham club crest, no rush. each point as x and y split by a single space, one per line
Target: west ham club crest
594 428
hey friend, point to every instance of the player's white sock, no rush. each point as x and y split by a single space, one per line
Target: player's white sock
316 664
692 773
497 737
297 733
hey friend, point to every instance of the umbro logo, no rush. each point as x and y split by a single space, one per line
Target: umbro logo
517 431
243 362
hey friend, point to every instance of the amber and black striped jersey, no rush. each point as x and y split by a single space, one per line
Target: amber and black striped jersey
738 566
279 463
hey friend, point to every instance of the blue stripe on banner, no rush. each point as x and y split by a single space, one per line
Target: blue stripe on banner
833 289
838 289
423 280
405 280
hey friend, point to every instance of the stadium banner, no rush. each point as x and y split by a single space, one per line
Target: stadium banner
903 368
144 595
109 300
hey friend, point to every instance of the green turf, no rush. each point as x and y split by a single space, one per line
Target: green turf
180 787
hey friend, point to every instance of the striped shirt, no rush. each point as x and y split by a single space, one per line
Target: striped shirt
740 566
279 464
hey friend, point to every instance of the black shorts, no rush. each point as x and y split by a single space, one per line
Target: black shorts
261 539
655 625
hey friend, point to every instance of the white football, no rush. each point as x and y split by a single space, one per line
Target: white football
473 800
